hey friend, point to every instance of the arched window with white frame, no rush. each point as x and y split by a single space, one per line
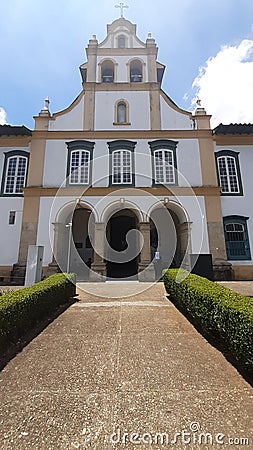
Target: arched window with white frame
121 113
15 172
228 170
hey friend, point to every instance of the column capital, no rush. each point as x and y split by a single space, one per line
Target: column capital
143 225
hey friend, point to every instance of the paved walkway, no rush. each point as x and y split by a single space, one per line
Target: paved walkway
242 287
128 365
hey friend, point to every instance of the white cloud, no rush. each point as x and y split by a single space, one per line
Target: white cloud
225 84
3 116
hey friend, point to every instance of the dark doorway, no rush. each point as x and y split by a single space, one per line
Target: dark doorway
118 227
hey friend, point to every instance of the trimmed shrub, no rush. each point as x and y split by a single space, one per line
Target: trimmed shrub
21 310
222 314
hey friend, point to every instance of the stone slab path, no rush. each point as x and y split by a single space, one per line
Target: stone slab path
116 373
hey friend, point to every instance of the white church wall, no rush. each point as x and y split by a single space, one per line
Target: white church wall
69 120
172 119
143 164
139 116
45 233
188 163
10 234
100 164
55 166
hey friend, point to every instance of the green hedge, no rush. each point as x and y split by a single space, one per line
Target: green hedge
21 310
221 313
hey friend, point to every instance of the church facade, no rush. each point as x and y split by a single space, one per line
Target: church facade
124 183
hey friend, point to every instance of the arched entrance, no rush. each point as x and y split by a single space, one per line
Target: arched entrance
122 255
73 251
80 232
169 236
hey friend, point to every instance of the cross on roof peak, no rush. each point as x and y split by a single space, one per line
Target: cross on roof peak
121 6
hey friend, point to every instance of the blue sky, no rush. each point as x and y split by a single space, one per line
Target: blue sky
42 46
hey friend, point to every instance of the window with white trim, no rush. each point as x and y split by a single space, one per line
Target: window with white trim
15 172
79 167
121 162
121 167
164 166
164 161
79 162
229 172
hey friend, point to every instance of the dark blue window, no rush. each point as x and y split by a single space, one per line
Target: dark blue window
236 238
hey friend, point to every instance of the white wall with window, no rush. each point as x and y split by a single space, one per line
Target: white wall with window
234 204
11 233
56 160
139 110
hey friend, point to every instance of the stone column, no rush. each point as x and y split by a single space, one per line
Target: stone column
145 268
98 266
185 238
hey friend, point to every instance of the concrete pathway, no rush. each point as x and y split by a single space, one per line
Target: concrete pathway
131 366
242 287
